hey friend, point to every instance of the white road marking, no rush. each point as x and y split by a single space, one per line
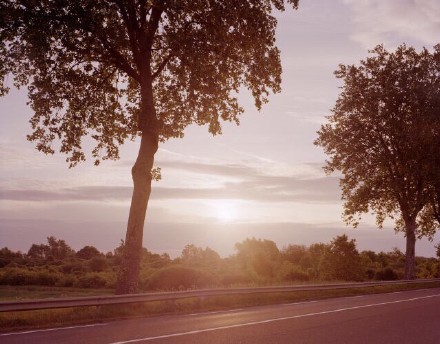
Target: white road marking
51 329
271 320
298 303
214 312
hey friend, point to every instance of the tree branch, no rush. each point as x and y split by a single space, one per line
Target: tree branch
162 66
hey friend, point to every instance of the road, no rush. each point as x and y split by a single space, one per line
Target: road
405 317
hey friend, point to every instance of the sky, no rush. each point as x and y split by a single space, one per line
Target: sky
261 179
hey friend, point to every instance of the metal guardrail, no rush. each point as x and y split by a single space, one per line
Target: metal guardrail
28 305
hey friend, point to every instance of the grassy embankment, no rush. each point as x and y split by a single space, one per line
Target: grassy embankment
12 321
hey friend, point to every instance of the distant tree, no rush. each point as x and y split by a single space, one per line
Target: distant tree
38 251
260 255
294 253
54 250
381 136
342 260
154 260
58 249
193 255
7 256
312 260
437 252
119 69
88 252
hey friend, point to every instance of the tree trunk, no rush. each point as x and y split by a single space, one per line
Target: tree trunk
410 263
128 276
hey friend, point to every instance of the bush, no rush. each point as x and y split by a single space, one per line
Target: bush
73 267
180 278
46 278
4 262
370 273
98 264
18 276
386 274
292 272
15 276
87 252
66 281
90 280
236 279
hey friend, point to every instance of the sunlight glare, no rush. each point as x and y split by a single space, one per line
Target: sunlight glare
226 210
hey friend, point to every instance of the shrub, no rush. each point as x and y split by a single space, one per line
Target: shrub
73 267
236 279
87 252
46 278
291 272
66 281
90 280
98 264
15 276
4 262
178 277
386 274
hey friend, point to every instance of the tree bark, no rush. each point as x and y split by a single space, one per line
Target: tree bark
410 263
128 276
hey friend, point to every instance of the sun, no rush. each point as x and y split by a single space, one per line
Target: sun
226 210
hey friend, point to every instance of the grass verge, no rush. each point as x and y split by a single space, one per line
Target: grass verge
14 321
16 293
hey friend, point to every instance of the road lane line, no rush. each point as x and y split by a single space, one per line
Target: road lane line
298 303
51 329
214 312
145 339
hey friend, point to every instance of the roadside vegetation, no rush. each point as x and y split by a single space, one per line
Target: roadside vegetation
14 321
54 269
56 266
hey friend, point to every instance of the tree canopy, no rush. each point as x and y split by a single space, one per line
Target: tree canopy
383 136
111 68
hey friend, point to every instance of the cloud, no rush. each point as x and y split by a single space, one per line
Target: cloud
393 22
83 193
249 183
171 237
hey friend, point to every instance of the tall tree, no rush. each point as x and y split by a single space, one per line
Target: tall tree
380 136
118 69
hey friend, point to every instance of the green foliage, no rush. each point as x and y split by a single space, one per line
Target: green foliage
54 250
91 280
97 264
180 278
384 135
291 272
386 274
93 68
7 256
197 256
342 260
87 252
294 253
259 255
22 276
256 262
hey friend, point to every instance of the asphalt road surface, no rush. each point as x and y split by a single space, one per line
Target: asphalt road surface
411 317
